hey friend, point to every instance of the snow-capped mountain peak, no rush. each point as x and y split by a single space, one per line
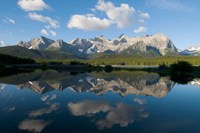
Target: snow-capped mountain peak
158 43
195 50
36 43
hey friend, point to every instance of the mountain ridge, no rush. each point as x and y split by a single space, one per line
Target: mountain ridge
36 43
194 50
155 45
80 48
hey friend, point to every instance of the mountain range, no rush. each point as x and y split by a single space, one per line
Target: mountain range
195 51
147 46
45 48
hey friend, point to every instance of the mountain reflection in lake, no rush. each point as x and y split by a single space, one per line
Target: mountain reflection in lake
120 101
121 82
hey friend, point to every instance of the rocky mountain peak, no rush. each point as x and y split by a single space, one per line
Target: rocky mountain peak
79 41
58 44
43 38
75 41
160 35
36 43
99 39
60 41
122 36
99 44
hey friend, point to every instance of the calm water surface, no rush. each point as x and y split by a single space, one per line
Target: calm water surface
63 102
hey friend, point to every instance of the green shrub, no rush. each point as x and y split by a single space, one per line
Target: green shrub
182 67
76 63
163 66
108 68
7 59
1 66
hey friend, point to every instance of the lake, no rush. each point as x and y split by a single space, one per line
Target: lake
120 101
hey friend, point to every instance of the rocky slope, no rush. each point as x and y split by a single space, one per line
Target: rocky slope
158 43
37 43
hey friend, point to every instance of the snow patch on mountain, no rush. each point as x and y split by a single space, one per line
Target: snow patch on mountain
100 44
36 43
195 50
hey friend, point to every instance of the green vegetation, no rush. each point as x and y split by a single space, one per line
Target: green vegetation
183 72
18 51
2 66
10 60
180 72
108 68
181 67
76 63
134 60
130 60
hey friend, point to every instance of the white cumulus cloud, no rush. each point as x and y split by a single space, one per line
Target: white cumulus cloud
12 21
53 33
88 22
2 44
49 21
9 21
140 29
47 32
122 16
144 15
44 32
33 5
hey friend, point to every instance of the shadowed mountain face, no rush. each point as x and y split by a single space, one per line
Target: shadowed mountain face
122 83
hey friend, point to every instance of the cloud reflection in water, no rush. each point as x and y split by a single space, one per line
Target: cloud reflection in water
122 114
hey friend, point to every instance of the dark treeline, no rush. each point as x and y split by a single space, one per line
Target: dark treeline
181 72
7 59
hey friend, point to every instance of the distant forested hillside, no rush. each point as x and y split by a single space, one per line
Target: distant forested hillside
7 59
140 60
18 51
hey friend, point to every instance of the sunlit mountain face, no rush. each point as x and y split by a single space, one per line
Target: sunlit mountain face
51 101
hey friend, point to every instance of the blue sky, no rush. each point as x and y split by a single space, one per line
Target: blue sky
69 19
